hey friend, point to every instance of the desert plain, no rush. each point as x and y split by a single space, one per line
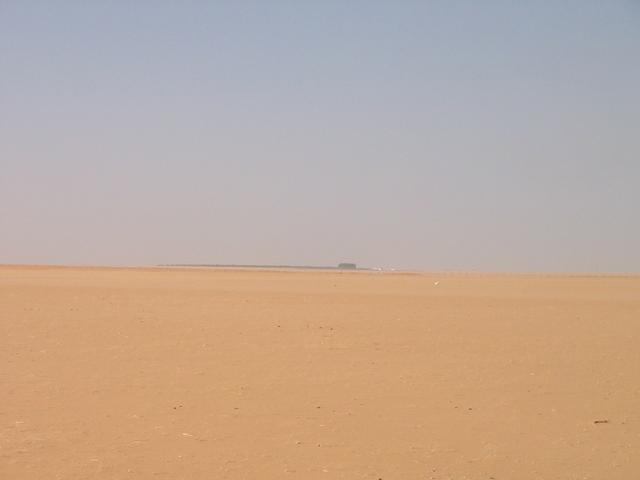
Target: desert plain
170 373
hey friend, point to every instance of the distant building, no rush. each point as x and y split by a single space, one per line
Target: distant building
347 266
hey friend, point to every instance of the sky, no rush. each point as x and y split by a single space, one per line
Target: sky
431 135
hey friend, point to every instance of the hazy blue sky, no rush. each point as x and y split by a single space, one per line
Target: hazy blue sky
495 135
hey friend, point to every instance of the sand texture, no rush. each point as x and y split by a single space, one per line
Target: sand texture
244 374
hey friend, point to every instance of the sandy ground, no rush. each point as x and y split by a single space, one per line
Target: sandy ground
209 374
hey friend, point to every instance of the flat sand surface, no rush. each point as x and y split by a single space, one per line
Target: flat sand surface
244 374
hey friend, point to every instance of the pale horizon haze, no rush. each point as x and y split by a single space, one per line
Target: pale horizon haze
443 135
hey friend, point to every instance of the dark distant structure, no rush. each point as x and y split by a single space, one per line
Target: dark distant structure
341 266
347 266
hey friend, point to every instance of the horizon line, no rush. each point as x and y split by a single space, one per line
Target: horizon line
293 268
